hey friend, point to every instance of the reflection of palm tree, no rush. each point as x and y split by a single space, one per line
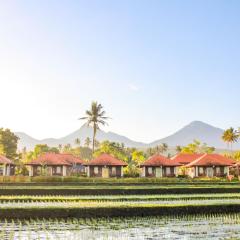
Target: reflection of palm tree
230 136
95 116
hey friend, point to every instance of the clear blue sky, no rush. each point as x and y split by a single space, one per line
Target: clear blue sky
154 65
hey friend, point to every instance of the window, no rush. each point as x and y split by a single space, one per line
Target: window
218 170
168 170
150 170
95 170
114 170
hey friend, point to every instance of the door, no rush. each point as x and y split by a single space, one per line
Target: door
158 172
210 172
105 172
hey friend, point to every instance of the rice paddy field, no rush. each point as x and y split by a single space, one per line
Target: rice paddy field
36 214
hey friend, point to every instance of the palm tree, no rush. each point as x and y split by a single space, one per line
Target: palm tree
60 147
230 136
178 149
164 147
87 142
95 116
77 141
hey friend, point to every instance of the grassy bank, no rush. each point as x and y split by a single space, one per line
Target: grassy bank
65 190
116 211
85 180
118 198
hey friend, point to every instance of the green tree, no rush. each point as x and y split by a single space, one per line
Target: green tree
138 157
95 117
178 149
230 136
40 149
8 143
87 142
112 148
77 142
197 147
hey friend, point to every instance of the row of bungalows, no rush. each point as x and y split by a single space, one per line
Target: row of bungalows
52 164
205 165
107 166
193 165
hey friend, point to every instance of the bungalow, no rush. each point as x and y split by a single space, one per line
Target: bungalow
53 164
209 165
105 166
7 167
186 158
160 166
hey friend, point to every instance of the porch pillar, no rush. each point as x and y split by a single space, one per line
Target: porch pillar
64 171
196 171
176 171
143 172
88 171
121 171
51 171
4 170
31 171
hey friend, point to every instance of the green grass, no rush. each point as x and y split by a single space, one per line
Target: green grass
118 198
114 210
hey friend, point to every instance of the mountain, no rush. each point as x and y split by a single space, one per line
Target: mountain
82 134
195 130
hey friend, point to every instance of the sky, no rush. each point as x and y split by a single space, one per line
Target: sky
155 66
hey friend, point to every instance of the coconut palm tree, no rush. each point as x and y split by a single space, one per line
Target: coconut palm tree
230 136
164 147
178 149
95 116
77 141
87 142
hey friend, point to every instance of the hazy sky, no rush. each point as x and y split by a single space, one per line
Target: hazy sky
154 65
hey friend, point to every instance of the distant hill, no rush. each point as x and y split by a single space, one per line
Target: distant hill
82 134
195 130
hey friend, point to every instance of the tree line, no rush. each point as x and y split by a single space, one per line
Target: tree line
91 147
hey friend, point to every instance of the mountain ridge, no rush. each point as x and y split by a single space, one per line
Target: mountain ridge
195 130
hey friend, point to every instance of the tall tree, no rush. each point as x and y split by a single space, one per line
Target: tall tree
230 136
95 117
178 149
197 147
8 143
77 141
87 142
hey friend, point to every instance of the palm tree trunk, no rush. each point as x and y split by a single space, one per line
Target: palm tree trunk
94 135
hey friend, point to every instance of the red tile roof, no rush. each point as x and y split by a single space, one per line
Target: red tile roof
211 160
4 160
185 158
159 160
56 159
106 160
